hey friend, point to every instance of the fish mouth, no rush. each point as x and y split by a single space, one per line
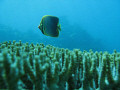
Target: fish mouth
39 27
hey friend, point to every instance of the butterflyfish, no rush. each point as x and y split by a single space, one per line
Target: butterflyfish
50 26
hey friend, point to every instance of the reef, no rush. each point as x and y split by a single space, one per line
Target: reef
39 67
69 33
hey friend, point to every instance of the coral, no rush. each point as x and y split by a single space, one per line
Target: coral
40 67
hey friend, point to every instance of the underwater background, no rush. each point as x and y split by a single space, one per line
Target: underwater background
85 24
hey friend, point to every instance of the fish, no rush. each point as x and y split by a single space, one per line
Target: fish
50 26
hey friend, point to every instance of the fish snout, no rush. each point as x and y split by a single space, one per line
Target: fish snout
39 26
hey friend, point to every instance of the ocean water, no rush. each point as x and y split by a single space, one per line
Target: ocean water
85 24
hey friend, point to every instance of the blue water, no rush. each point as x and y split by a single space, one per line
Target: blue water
86 24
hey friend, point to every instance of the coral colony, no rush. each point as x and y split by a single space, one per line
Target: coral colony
39 67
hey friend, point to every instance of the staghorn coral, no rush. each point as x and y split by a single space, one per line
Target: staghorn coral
40 67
